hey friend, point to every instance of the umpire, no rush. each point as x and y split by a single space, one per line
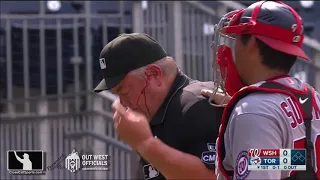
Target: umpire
160 113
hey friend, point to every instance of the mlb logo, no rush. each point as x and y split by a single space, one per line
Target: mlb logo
25 160
103 64
211 147
150 172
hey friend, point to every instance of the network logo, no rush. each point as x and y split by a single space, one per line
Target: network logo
25 162
298 157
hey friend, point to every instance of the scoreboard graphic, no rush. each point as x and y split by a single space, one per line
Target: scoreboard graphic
277 159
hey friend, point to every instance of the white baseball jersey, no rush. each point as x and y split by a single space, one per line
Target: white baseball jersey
264 120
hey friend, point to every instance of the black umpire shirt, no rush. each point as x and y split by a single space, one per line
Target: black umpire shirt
186 122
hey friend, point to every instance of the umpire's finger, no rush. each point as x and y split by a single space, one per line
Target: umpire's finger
117 106
116 119
116 116
117 123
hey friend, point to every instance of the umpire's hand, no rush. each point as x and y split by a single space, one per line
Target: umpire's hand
219 98
133 127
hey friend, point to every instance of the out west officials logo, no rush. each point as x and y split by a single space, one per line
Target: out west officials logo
75 162
28 162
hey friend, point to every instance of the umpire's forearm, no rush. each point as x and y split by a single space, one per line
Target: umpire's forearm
174 164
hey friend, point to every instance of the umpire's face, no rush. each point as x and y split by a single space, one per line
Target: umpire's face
140 91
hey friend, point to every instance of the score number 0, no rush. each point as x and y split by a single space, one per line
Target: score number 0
285 153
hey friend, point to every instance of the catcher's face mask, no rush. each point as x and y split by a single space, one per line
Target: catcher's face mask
224 42
224 56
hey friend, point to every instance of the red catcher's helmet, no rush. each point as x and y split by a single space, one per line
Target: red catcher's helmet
272 22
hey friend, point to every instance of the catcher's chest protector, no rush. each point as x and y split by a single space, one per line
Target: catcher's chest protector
273 86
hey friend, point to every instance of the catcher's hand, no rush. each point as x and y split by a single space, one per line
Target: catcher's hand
219 98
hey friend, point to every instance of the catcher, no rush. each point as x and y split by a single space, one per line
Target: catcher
255 49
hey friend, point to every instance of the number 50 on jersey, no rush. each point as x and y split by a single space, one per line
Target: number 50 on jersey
277 159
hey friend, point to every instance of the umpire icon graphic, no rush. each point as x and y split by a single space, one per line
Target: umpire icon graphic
25 160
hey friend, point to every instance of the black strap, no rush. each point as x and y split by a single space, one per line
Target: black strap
310 173
307 109
308 143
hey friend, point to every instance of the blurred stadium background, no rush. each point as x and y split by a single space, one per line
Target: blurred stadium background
48 68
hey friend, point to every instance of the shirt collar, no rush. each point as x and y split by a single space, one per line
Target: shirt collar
179 82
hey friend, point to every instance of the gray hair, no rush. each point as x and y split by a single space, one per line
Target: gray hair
167 64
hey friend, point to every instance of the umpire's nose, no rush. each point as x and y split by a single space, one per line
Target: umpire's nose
124 101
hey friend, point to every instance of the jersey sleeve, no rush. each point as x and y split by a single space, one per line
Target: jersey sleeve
198 131
252 131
